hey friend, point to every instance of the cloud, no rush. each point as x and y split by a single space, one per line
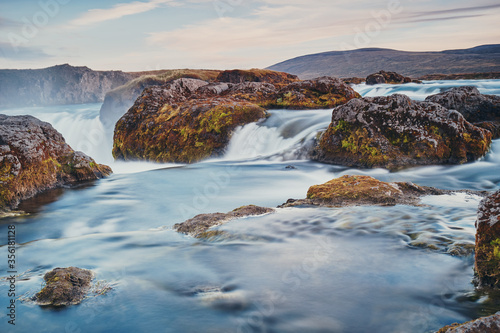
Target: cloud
5 22
21 53
120 10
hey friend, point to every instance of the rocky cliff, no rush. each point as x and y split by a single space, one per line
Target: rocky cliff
62 84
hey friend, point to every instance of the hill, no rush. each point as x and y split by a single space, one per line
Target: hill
363 62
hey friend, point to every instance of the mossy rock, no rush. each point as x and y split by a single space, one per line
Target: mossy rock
487 257
395 132
34 157
184 133
64 286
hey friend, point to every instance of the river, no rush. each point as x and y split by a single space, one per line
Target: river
352 269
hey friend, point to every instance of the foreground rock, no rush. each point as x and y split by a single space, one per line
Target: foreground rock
34 157
363 190
489 324
189 120
201 223
395 132
487 263
389 77
64 286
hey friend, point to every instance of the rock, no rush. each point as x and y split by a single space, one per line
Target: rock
353 80
64 286
474 106
256 75
189 120
395 132
389 77
320 93
183 133
487 264
201 223
62 84
492 126
34 157
363 190
489 324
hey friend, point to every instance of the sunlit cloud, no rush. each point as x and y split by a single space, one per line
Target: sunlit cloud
120 10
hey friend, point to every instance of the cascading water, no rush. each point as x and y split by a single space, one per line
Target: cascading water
348 269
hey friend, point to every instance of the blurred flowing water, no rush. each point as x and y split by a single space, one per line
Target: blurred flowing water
351 269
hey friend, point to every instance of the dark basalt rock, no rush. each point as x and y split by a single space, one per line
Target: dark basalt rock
389 77
364 190
34 157
487 264
396 132
199 224
481 110
489 324
64 286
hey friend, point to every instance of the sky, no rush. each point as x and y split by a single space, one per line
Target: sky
224 34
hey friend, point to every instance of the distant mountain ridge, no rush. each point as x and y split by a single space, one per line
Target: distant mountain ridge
61 84
363 62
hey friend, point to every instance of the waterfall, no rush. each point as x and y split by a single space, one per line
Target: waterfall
284 135
420 91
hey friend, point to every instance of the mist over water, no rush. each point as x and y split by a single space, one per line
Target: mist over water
349 269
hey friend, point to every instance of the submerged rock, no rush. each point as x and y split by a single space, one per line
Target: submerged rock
363 190
199 224
64 286
389 77
487 264
396 132
489 324
189 120
34 157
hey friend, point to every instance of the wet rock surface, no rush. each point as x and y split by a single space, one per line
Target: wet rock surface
199 224
34 157
395 132
64 286
487 260
490 324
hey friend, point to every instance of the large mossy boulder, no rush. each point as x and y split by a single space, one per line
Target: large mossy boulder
34 157
395 132
189 120
64 286
389 77
487 263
